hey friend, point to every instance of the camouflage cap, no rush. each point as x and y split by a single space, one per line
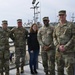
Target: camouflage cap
4 22
62 12
45 18
19 20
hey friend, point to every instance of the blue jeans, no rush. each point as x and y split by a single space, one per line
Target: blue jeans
33 59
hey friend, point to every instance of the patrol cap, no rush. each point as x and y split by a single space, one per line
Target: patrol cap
62 12
19 20
45 18
4 22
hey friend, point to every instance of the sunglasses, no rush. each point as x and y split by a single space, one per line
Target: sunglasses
19 22
61 14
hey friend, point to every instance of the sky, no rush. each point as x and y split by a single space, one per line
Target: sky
11 10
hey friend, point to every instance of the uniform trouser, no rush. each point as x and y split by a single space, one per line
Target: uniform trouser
4 61
66 61
33 59
48 59
74 68
20 53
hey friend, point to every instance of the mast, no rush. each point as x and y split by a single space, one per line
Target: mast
72 17
36 12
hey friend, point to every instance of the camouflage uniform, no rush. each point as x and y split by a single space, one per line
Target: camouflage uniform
19 37
45 38
74 49
4 50
64 35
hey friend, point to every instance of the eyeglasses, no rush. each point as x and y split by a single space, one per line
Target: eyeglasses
45 20
61 14
19 22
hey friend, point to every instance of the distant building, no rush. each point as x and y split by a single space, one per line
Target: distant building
28 25
53 24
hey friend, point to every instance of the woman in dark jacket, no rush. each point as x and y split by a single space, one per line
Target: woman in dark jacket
33 48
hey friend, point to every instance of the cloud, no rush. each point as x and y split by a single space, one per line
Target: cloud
51 8
14 9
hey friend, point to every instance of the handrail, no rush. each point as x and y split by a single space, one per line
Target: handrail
12 65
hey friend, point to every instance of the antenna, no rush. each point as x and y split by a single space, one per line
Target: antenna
35 8
72 17
33 2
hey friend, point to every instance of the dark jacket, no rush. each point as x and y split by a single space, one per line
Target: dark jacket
33 43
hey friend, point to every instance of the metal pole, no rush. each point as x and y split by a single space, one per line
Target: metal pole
35 7
34 15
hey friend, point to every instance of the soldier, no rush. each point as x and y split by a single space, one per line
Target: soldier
4 48
45 38
19 35
63 37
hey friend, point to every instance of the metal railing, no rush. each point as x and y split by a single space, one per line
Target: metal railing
12 64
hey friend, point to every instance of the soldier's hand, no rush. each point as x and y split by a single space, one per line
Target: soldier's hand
62 48
46 48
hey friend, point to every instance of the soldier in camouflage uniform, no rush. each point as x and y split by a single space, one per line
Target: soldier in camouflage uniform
19 35
4 48
45 38
63 37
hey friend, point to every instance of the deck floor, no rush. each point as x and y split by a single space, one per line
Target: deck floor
27 70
